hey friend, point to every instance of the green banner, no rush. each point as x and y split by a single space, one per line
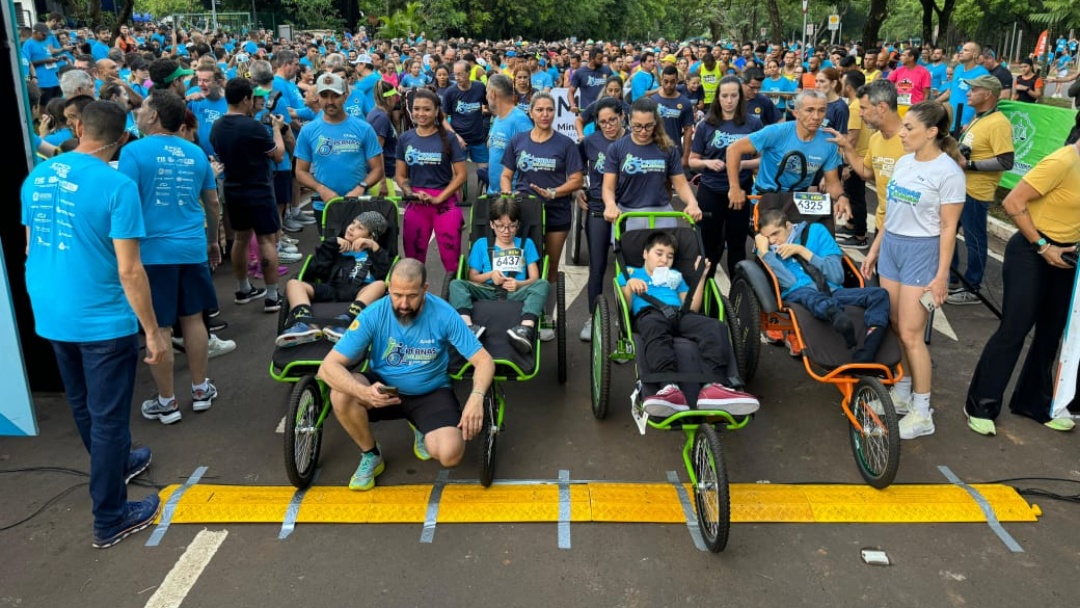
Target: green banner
1038 130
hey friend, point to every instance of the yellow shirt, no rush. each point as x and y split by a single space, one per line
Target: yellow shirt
710 81
856 123
882 154
872 75
1056 213
987 136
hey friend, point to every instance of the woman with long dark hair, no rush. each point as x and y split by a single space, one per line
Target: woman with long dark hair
430 170
381 120
912 253
725 122
836 113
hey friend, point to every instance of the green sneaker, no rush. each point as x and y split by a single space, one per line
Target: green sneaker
1061 424
982 426
371 466
418 446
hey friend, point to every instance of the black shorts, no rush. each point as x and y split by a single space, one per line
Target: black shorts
283 181
429 412
325 292
180 290
263 219
557 216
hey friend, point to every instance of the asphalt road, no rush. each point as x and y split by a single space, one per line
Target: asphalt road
798 436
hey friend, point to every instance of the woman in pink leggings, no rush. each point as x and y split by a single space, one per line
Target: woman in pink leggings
431 171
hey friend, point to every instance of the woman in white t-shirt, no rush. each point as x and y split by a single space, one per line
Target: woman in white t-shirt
924 199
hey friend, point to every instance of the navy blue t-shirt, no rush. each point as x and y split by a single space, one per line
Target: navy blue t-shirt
643 172
594 150
589 83
695 97
836 115
762 108
676 114
428 165
466 112
546 164
383 128
712 143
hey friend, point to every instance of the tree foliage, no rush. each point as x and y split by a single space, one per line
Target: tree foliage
315 14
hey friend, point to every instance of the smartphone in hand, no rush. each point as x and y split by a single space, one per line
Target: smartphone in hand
927 301
389 391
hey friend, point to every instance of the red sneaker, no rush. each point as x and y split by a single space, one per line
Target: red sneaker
668 402
719 397
794 346
774 336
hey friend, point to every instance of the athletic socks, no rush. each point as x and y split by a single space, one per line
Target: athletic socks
205 386
271 292
903 388
243 285
374 450
920 404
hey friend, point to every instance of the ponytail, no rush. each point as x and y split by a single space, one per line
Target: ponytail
430 95
934 114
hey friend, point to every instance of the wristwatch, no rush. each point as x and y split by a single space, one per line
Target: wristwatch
364 185
551 193
1039 244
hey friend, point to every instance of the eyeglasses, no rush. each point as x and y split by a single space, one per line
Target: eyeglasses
607 123
638 128
512 226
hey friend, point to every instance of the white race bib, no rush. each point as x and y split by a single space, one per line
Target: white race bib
813 203
508 261
904 100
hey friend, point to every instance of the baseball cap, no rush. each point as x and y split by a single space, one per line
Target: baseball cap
41 28
990 83
668 58
511 54
330 82
364 59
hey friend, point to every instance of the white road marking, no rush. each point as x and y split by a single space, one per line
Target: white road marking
179 581
280 430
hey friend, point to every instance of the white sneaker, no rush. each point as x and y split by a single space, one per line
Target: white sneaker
586 331
218 347
283 247
289 258
902 406
913 425
288 240
291 225
547 334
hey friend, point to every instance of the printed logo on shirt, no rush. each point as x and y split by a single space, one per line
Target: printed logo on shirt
325 146
416 157
497 140
399 355
902 195
883 165
721 140
632 164
813 163
210 116
464 107
669 112
594 81
529 162
600 158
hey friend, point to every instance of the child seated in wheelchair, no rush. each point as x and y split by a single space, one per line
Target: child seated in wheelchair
349 268
656 294
507 269
807 263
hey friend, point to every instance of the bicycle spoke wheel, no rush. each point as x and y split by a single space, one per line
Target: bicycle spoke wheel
877 446
303 434
711 491
488 435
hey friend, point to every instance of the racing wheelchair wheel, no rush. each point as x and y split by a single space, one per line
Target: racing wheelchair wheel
601 357
283 314
489 433
746 314
876 447
303 434
577 229
560 324
711 490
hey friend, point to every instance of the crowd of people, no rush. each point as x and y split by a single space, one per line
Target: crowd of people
219 141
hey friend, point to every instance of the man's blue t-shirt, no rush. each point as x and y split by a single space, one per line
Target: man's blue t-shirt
775 141
338 153
937 76
778 85
46 72
666 289
362 98
412 357
206 113
502 131
172 174
425 158
642 172
640 83
676 114
589 83
959 90
75 205
712 144
98 50
465 109
58 137
512 262
542 80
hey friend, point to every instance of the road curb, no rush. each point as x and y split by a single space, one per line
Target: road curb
999 229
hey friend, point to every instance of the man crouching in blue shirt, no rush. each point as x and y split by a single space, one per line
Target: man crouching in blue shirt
407 338
812 275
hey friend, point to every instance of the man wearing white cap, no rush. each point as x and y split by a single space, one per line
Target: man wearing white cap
362 100
337 154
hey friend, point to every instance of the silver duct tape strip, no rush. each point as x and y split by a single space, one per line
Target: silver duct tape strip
988 511
170 507
688 511
432 517
289 524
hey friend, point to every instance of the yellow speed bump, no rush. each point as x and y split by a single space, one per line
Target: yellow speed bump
597 502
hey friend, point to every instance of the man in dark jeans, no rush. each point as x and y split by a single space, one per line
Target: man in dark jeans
83 224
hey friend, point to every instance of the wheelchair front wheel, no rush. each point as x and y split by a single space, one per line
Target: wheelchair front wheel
602 341
747 327
711 490
489 433
877 446
303 433
577 229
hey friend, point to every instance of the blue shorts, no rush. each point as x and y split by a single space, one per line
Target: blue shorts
180 290
477 153
909 260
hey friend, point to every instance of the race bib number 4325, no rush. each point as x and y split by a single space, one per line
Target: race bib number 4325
813 203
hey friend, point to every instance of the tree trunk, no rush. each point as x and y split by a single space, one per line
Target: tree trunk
775 24
715 28
879 12
944 15
125 16
95 13
928 7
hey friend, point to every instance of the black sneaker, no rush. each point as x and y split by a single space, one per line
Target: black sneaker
271 305
137 516
213 313
242 297
217 324
845 230
522 338
853 242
